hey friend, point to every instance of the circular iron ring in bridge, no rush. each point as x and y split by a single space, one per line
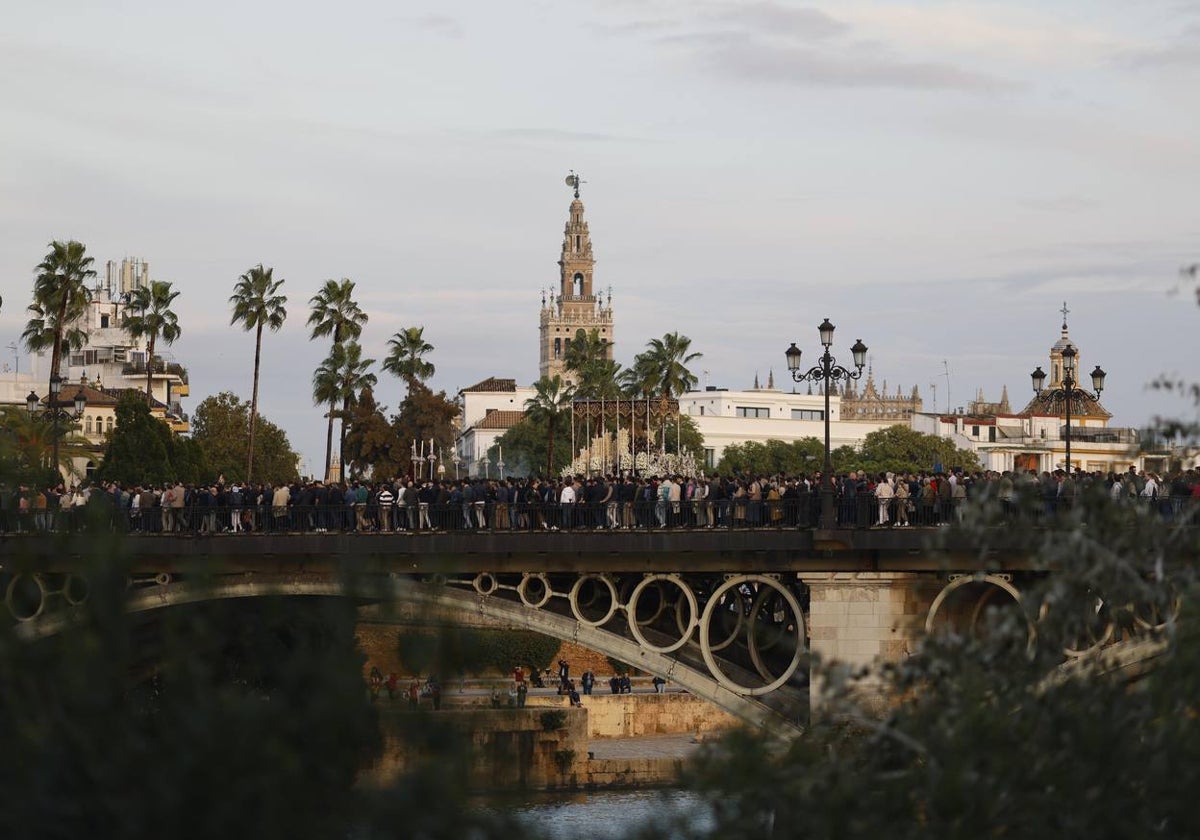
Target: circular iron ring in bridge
1089 640
25 597
1154 618
993 582
631 611
540 580
76 590
706 649
752 643
485 583
577 608
739 619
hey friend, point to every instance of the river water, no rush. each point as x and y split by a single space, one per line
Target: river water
608 814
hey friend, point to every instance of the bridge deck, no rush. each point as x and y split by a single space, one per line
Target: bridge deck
760 550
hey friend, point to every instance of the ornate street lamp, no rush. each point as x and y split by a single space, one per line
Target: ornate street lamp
55 390
31 402
828 371
1069 390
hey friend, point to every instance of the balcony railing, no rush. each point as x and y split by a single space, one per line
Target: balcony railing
157 366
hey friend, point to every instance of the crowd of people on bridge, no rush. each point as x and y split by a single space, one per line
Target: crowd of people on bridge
860 499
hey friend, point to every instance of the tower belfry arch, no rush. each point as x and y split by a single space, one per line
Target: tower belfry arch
576 305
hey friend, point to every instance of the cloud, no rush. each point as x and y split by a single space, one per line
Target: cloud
776 19
557 135
443 25
760 62
1060 203
1182 52
778 44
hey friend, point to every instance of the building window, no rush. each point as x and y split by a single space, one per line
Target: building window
710 458
807 414
701 411
753 411
974 431
558 348
992 434
88 425
108 424
103 322
578 284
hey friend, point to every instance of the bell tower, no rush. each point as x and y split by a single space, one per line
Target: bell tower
575 306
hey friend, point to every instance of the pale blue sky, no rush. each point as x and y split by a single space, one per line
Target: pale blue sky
934 177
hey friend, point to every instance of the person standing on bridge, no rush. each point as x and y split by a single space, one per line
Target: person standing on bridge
566 501
385 500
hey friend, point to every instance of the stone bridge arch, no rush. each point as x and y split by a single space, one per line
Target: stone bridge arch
770 707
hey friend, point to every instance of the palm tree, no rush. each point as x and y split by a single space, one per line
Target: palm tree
406 352
151 317
341 378
662 370
550 401
60 297
664 365
257 303
335 313
588 357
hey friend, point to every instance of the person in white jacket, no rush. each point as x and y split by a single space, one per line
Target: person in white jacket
885 491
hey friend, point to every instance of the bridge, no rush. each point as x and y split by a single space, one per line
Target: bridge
730 615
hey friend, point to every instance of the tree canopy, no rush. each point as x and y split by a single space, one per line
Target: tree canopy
896 449
372 445
142 449
219 429
423 416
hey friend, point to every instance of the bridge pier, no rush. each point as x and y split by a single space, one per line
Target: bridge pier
861 618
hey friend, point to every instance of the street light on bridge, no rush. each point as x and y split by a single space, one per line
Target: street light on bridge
57 413
828 371
1069 390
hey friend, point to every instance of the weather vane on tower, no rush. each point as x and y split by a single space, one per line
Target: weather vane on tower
574 181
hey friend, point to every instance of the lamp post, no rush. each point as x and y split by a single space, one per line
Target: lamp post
31 402
432 460
56 412
828 371
455 459
1068 390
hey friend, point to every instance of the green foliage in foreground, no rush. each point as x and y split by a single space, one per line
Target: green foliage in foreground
454 650
241 718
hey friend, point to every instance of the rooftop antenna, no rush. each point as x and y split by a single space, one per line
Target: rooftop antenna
933 387
946 368
574 181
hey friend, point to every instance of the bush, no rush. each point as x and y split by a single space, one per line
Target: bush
553 719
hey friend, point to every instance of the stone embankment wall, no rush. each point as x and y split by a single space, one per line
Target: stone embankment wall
510 748
640 715
523 748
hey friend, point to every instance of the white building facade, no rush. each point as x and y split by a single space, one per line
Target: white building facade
727 417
